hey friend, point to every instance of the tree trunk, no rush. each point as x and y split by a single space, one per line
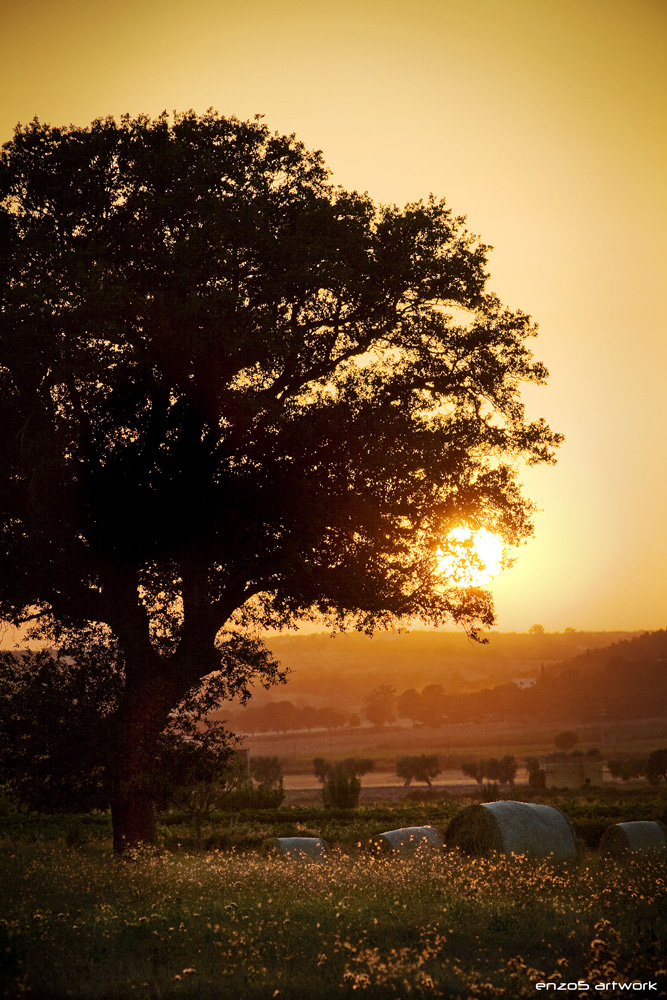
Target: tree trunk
154 686
133 820
141 718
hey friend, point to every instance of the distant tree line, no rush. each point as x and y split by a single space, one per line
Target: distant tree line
653 767
502 770
627 679
285 717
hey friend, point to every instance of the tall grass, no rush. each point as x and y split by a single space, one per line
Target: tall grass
78 922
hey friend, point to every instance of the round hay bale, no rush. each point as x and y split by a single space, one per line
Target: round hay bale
643 837
301 848
513 828
409 839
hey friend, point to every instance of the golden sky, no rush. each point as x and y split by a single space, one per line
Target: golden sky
544 121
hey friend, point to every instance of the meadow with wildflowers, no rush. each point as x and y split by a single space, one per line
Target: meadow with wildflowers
77 921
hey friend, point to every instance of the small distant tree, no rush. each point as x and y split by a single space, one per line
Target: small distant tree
536 773
474 769
309 717
615 767
282 716
566 740
409 705
507 768
421 768
537 778
330 718
267 771
503 770
627 768
536 630
380 705
491 769
340 780
353 720
656 770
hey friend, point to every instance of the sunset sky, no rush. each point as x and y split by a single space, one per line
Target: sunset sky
543 121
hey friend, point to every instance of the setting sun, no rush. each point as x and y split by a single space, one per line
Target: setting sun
470 558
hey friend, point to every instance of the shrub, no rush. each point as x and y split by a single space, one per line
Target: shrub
657 767
503 770
537 778
267 771
340 781
341 791
255 796
627 768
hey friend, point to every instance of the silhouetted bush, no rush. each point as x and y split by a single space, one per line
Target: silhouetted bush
340 780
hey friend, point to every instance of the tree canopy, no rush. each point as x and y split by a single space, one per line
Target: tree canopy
234 394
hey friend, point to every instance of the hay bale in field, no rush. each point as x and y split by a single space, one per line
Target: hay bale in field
302 848
644 837
513 828
409 839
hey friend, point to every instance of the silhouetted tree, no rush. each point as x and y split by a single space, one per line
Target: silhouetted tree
421 768
409 705
566 740
267 771
474 769
657 767
627 768
507 768
56 714
282 716
380 705
503 770
330 718
233 395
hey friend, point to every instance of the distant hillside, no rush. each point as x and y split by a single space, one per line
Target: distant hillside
625 680
648 647
342 670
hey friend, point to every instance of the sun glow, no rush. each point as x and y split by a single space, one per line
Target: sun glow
470 557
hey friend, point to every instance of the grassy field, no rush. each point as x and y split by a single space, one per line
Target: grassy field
462 740
231 922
